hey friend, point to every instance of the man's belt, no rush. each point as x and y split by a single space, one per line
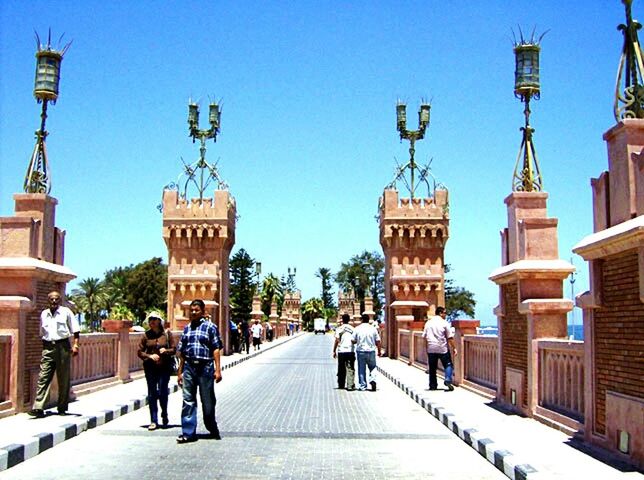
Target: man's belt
198 361
51 343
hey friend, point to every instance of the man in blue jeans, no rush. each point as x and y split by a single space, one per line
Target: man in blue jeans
367 341
438 334
200 346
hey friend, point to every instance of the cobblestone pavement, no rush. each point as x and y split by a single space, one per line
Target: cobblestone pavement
280 417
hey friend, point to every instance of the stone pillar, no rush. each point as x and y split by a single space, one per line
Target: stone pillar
31 266
273 318
199 236
368 308
256 313
413 233
462 328
122 327
614 306
531 297
346 302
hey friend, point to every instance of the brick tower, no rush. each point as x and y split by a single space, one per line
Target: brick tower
199 236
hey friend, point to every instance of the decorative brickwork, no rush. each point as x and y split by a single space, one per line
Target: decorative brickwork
514 341
618 330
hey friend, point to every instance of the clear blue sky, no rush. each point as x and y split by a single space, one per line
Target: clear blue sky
308 136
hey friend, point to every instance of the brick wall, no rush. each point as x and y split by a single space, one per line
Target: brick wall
33 342
618 333
514 340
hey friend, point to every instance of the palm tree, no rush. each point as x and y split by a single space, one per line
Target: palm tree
90 299
325 275
272 291
312 308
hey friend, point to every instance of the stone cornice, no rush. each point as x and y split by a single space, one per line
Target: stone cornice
534 269
546 305
627 235
26 265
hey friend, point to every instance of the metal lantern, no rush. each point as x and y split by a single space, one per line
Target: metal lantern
423 114
401 115
214 115
47 75
193 115
526 72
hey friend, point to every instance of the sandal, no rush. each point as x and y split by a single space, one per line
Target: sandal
184 439
153 426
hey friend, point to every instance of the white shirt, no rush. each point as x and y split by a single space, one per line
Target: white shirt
62 324
436 332
256 329
344 334
366 337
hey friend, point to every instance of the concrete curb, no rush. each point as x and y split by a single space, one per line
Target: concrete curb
15 453
498 456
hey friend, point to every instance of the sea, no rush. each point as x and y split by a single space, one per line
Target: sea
576 332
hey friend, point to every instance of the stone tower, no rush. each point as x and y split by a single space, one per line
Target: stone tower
413 234
199 236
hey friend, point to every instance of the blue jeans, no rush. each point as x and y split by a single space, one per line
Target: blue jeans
446 360
365 359
157 380
198 376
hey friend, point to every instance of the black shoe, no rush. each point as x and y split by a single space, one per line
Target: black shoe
62 412
215 435
373 386
184 439
165 422
450 387
433 388
36 413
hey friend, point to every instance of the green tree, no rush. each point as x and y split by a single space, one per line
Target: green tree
242 286
89 298
325 276
272 289
365 275
312 308
116 287
147 287
458 300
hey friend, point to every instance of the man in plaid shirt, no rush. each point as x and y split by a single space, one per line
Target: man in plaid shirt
200 346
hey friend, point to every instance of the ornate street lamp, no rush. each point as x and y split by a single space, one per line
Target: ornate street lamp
46 84
527 177
202 166
412 136
630 104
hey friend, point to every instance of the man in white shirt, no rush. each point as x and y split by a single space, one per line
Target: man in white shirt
367 341
57 325
438 334
256 331
343 349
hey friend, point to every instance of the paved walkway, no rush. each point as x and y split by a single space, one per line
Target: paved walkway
281 417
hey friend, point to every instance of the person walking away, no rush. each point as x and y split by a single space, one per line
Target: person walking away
256 330
438 334
245 333
157 350
345 354
367 341
199 353
57 325
234 337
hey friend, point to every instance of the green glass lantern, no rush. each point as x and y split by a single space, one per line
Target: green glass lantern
47 75
526 72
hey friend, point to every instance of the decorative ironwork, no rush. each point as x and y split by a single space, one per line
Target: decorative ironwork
200 173
630 104
412 136
527 176
46 84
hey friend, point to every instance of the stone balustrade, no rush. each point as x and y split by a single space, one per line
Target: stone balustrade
98 358
480 356
5 368
135 363
561 377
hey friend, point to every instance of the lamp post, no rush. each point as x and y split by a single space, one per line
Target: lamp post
214 119
412 136
630 104
258 272
46 85
527 177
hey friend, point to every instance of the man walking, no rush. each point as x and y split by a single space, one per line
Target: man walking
57 325
256 330
345 354
367 340
438 334
200 346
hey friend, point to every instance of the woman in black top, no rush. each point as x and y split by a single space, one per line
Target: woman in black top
157 351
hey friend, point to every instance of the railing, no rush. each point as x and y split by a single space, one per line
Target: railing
97 359
420 350
561 377
5 366
404 344
135 363
480 358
